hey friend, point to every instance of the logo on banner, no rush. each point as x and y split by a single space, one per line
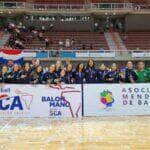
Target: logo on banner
62 102
136 96
106 99
17 102
56 104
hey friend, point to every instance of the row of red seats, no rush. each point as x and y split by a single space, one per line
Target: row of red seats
137 40
97 40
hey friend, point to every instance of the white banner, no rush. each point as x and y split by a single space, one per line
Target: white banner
78 55
142 54
40 101
109 55
29 54
116 99
97 55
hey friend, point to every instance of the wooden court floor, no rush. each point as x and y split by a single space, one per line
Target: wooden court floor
98 133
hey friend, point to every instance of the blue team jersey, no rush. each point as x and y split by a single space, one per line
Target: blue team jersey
27 78
90 75
50 77
79 77
130 74
101 75
69 77
114 75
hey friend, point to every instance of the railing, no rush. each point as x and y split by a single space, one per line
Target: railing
79 54
12 5
42 7
82 54
112 6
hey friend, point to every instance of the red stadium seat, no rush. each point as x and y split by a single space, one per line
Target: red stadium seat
137 40
97 40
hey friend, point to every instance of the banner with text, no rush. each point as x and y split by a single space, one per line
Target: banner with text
116 99
40 101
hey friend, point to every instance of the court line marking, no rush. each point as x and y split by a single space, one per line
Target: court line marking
6 125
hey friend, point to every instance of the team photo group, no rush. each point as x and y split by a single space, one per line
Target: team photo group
67 73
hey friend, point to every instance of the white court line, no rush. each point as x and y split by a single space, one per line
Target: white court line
6 125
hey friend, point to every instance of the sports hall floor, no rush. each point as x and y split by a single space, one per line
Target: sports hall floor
99 133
